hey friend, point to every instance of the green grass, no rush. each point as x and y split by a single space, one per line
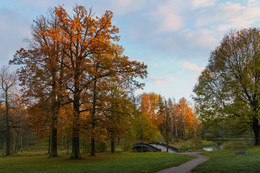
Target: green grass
225 161
103 162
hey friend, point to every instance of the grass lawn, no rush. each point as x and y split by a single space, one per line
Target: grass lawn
103 162
228 161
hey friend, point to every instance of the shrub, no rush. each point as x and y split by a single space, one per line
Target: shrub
234 145
99 147
127 146
160 138
208 136
196 142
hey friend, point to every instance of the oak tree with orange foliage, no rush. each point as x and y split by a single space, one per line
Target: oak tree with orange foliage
71 58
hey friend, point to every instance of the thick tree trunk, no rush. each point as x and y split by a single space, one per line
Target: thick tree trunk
256 129
92 152
75 131
75 138
55 112
75 144
53 151
112 145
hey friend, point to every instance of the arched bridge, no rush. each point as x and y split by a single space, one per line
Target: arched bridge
155 147
143 147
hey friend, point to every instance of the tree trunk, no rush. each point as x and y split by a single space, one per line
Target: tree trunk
92 152
176 131
67 145
21 141
53 151
54 143
75 131
75 144
49 145
256 129
118 141
7 125
112 145
166 127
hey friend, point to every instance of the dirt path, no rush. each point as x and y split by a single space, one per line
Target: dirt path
188 166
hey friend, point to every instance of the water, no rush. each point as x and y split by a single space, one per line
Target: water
212 148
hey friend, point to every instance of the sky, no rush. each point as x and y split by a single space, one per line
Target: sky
173 37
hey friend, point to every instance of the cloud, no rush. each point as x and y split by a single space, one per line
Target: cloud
253 3
162 79
192 67
229 15
239 16
202 37
202 3
169 15
124 7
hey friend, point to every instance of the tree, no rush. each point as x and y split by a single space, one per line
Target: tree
109 70
84 36
118 113
41 70
172 119
150 106
144 130
7 84
71 58
230 85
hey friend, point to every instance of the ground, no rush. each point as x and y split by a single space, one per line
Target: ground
103 162
225 161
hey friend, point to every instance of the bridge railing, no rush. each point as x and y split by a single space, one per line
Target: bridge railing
165 145
145 147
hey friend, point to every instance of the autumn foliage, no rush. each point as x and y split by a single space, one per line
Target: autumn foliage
78 87
179 119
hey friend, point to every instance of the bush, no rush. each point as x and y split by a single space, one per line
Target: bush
99 147
127 146
160 138
234 145
196 142
208 136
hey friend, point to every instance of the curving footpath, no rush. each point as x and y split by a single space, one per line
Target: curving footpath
188 166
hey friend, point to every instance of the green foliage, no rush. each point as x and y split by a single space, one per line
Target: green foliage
160 138
229 86
129 137
234 145
143 129
102 163
127 146
194 145
99 147
208 136
196 141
